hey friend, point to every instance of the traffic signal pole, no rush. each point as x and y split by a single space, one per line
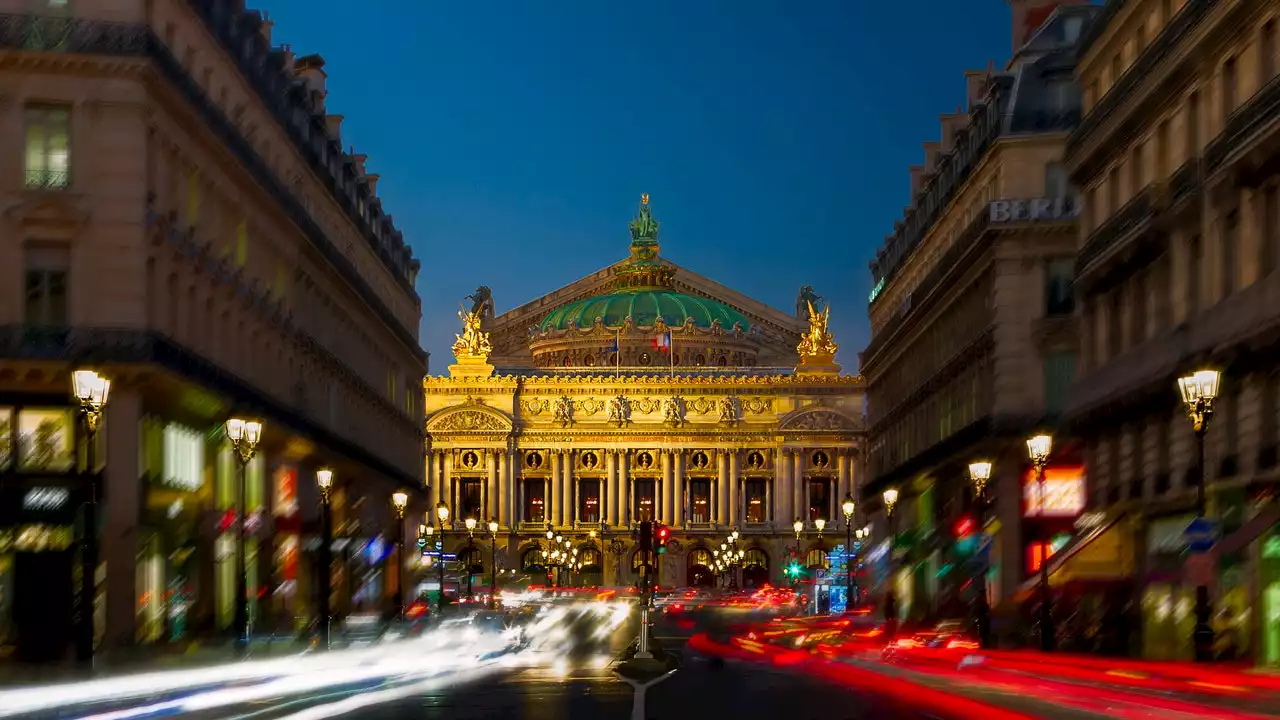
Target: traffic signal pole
646 553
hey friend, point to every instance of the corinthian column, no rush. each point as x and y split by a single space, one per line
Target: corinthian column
553 512
782 492
666 507
624 486
503 514
567 515
798 486
491 490
446 488
735 490
722 489
610 510
678 496
842 469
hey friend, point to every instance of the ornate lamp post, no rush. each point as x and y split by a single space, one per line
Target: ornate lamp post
470 524
1199 390
890 595
399 499
980 474
493 564
442 516
850 555
244 436
1038 448
91 391
324 480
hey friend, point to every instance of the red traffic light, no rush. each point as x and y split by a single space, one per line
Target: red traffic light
663 530
965 526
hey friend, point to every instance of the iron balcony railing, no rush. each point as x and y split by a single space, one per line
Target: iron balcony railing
1140 71
47 179
1117 227
1261 109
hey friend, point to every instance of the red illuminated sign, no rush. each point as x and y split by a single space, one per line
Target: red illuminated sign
1064 492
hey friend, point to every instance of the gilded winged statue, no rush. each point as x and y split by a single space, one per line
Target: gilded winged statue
473 342
817 346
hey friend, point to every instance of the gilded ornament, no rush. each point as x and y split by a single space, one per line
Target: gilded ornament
590 406
729 410
673 411
818 346
818 420
473 342
619 410
562 411
470 421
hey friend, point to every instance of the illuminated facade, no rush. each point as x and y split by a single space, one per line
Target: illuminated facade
177 211
645 391
1179 244
973 338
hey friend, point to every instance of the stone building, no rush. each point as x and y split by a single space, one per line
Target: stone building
1179 244
177 211
645 392
973 339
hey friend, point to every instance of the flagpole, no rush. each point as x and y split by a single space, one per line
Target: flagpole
617 354
671 351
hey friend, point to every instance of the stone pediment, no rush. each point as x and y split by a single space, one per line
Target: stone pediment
469 418
820 419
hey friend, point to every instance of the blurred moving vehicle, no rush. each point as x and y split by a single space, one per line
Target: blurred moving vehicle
490 622
359 629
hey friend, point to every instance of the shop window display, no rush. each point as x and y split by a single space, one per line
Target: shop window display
6 437
44 440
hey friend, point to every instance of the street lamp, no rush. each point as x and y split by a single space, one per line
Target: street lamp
244 436
850 555
979 475
399 499
91 391
442 515
1038 448
1199 390
493 563
324 480
890 595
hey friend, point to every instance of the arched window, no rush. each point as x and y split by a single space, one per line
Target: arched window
755 557
700 556
816 559
531 561
755 568
589 557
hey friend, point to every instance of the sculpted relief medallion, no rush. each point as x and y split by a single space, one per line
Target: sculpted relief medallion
471 421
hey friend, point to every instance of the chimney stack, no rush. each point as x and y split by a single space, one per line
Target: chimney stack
1029 15
311 69
333 123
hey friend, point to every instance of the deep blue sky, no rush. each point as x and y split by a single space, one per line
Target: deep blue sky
514 138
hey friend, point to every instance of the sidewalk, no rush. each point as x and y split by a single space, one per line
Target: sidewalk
128 661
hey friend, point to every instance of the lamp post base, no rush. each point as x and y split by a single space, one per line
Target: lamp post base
1202 637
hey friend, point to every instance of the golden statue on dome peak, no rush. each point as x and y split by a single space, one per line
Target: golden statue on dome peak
473 342
644 199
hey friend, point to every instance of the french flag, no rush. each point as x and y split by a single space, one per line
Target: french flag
663 342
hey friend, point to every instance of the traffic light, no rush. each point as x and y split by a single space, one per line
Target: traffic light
663 533
966 530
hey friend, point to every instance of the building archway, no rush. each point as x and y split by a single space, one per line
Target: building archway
592 572
531 562
699 568
755 568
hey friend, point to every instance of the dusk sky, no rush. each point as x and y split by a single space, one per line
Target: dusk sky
514 139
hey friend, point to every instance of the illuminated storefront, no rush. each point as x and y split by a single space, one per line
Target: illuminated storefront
40 500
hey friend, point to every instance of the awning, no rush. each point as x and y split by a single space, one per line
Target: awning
1102 554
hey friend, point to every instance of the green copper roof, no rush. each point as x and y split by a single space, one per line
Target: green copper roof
644 307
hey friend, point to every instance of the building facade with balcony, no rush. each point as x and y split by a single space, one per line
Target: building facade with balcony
973 340
645 392
177 212
1180 238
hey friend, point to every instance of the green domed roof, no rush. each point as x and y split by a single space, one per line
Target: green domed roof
644 307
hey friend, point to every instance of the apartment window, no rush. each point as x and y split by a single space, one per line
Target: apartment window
535 505
1230 89
1270 245
755 491
1136 178
1059 373
645 500
1267 48
45 291
1115 323
1056 183
819 499
1117 68
1060 96
1113 190
1230 239
1162 151
589 501
1139 321
48 138
1193 125
1195 255
700 501
1071 28
1059 291
183 458
1267 409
